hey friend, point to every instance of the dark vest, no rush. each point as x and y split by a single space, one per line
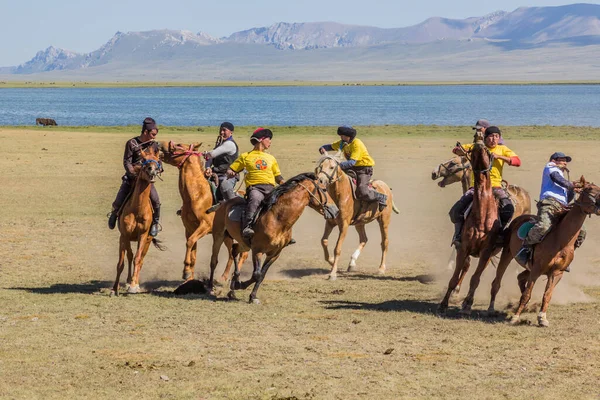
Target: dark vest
222 162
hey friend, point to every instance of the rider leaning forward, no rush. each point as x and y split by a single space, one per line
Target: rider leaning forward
262 173
131 161
359 161
502 155
556 193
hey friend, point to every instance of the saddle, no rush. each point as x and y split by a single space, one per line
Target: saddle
352 178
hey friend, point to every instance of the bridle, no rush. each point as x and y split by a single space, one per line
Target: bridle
328 210
463 166
181 151
491 161
335 175
158 165
594 200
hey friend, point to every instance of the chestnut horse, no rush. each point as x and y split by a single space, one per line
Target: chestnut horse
135 219
458 169
279 212
351 212
552 256
197 197
481 227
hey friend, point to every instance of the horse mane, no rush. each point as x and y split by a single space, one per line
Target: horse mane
280 190
339 157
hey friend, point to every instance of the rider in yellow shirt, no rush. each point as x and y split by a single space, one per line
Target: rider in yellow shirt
502 155
262 173
359 161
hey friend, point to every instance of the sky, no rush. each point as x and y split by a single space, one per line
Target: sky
29 26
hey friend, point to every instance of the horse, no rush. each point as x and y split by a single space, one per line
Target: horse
135 220
481 227
197 197
458 169
351 212
45 121
552 256
273 226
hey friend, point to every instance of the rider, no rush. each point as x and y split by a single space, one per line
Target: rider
262 172
131 159
556 193
359 161
218 161
502 155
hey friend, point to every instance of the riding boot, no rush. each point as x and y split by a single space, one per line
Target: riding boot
457 233
112 219
155 228
214 207
524 254
382 200
247 231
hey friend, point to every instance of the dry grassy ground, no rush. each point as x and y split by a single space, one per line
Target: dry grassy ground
362 336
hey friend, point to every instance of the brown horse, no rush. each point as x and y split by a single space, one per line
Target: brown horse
481 227
135 220
45 122
552 256
458 169
273 227
352 212
197 197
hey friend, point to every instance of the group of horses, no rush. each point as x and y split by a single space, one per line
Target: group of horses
328 191
481 229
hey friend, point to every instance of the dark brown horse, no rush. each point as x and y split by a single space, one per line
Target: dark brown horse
552 256
135 220
351 212
45 122
273 227
481 227
197 197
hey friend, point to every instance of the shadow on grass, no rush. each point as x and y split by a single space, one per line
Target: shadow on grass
424 279
417 306
64 288
303 272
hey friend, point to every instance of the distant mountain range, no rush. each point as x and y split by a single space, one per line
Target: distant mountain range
516 45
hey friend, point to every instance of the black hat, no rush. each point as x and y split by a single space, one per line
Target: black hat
491 130
260 134
347 131
560 154
149 124
227 125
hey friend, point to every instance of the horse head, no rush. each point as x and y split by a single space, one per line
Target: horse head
589 196
328 169
151 166
450 171
481 157
176 154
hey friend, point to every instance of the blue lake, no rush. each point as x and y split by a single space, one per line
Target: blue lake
325 105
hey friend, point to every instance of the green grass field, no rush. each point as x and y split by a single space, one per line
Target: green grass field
364 336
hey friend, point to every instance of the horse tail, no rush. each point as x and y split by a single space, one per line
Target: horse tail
158 244
394 208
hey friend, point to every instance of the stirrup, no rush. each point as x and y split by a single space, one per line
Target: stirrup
523 256
155 229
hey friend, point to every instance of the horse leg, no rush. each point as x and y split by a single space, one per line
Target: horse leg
522 280
129 263
189 261
505 260
218 239
553 280
229 245
325 241
268 262
143 246
525 297
120 266
484 260
384 222
461 260
256 263
463 273
362 234
338 251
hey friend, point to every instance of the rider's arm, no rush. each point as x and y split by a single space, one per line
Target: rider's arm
130 149
279 179
510 157
325 147
561 181
236 166
227 147
277 173
347 164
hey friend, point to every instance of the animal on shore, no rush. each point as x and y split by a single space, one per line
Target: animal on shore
481 227
134 223
45 122
354 212
197 197
552 256
273 228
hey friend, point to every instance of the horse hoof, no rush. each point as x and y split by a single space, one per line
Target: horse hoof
491 313
351 268
114 293
331 277
514 320
231 295
543 322
133 289
254 301
330 261
465 311
381 271
186 276
442 309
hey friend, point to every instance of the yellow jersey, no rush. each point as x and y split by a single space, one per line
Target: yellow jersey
261 168
497 165
355 150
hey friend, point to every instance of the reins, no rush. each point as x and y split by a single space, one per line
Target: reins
182 152
334 173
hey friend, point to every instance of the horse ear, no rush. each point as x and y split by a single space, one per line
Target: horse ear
582 180
197 146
